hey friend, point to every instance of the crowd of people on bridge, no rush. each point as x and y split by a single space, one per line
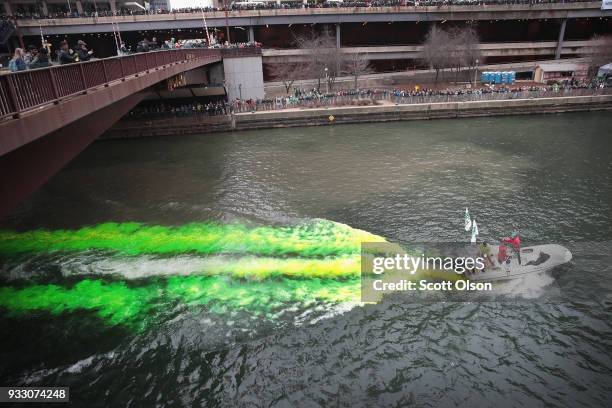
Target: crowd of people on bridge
284 4
146 45
34 57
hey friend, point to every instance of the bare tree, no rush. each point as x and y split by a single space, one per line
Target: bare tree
287 73
356 65
436 50
324 60
463 50
333 65
599 53
457 49
454 53
470 47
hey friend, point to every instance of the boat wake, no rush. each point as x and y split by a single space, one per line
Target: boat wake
531 286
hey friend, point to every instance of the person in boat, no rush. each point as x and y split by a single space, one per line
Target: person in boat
515 241
502 255
484 251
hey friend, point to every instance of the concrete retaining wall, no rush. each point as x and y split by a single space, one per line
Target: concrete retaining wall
244 77
361 114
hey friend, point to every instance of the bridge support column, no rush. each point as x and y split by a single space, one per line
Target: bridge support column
338 35
113 6
251 34
45 9
560 41
8 9
79 7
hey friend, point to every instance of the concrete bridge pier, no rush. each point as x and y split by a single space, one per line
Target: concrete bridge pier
251 34
560 40
7 8
338 35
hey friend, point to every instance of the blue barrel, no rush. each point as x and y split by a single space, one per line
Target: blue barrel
504 77
483 77
497 77
512 76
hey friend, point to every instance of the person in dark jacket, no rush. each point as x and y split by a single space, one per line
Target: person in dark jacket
41 59
143 46
30 54
153 45
66 55
123 49
82 51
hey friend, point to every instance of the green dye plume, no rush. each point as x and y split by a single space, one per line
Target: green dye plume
118 303
259 270
313 239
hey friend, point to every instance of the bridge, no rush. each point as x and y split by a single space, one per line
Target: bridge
49 115
252 18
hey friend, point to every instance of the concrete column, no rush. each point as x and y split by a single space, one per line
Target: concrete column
560 41
79 7
251 34
45 9
7 8
338 35
113 6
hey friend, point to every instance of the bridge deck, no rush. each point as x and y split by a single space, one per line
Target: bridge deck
245 18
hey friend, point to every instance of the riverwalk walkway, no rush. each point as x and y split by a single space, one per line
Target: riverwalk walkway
356 114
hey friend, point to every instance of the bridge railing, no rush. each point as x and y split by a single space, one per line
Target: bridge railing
27 90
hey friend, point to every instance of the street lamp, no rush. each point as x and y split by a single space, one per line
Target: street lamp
476 72
240 90
326 82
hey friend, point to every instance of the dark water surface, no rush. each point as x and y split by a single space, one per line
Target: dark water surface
546 342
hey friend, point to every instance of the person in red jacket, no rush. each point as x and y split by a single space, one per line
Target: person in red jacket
515 241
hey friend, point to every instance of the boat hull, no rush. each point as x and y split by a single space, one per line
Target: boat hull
534 260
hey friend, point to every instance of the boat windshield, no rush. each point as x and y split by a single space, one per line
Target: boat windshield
543 257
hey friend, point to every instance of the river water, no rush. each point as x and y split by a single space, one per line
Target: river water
215 270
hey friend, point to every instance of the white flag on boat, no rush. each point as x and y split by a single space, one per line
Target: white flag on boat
468 221
474 231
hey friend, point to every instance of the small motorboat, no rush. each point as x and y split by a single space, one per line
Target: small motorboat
534 260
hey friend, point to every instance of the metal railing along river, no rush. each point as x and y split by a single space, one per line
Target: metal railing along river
167 114
500 95
371 97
